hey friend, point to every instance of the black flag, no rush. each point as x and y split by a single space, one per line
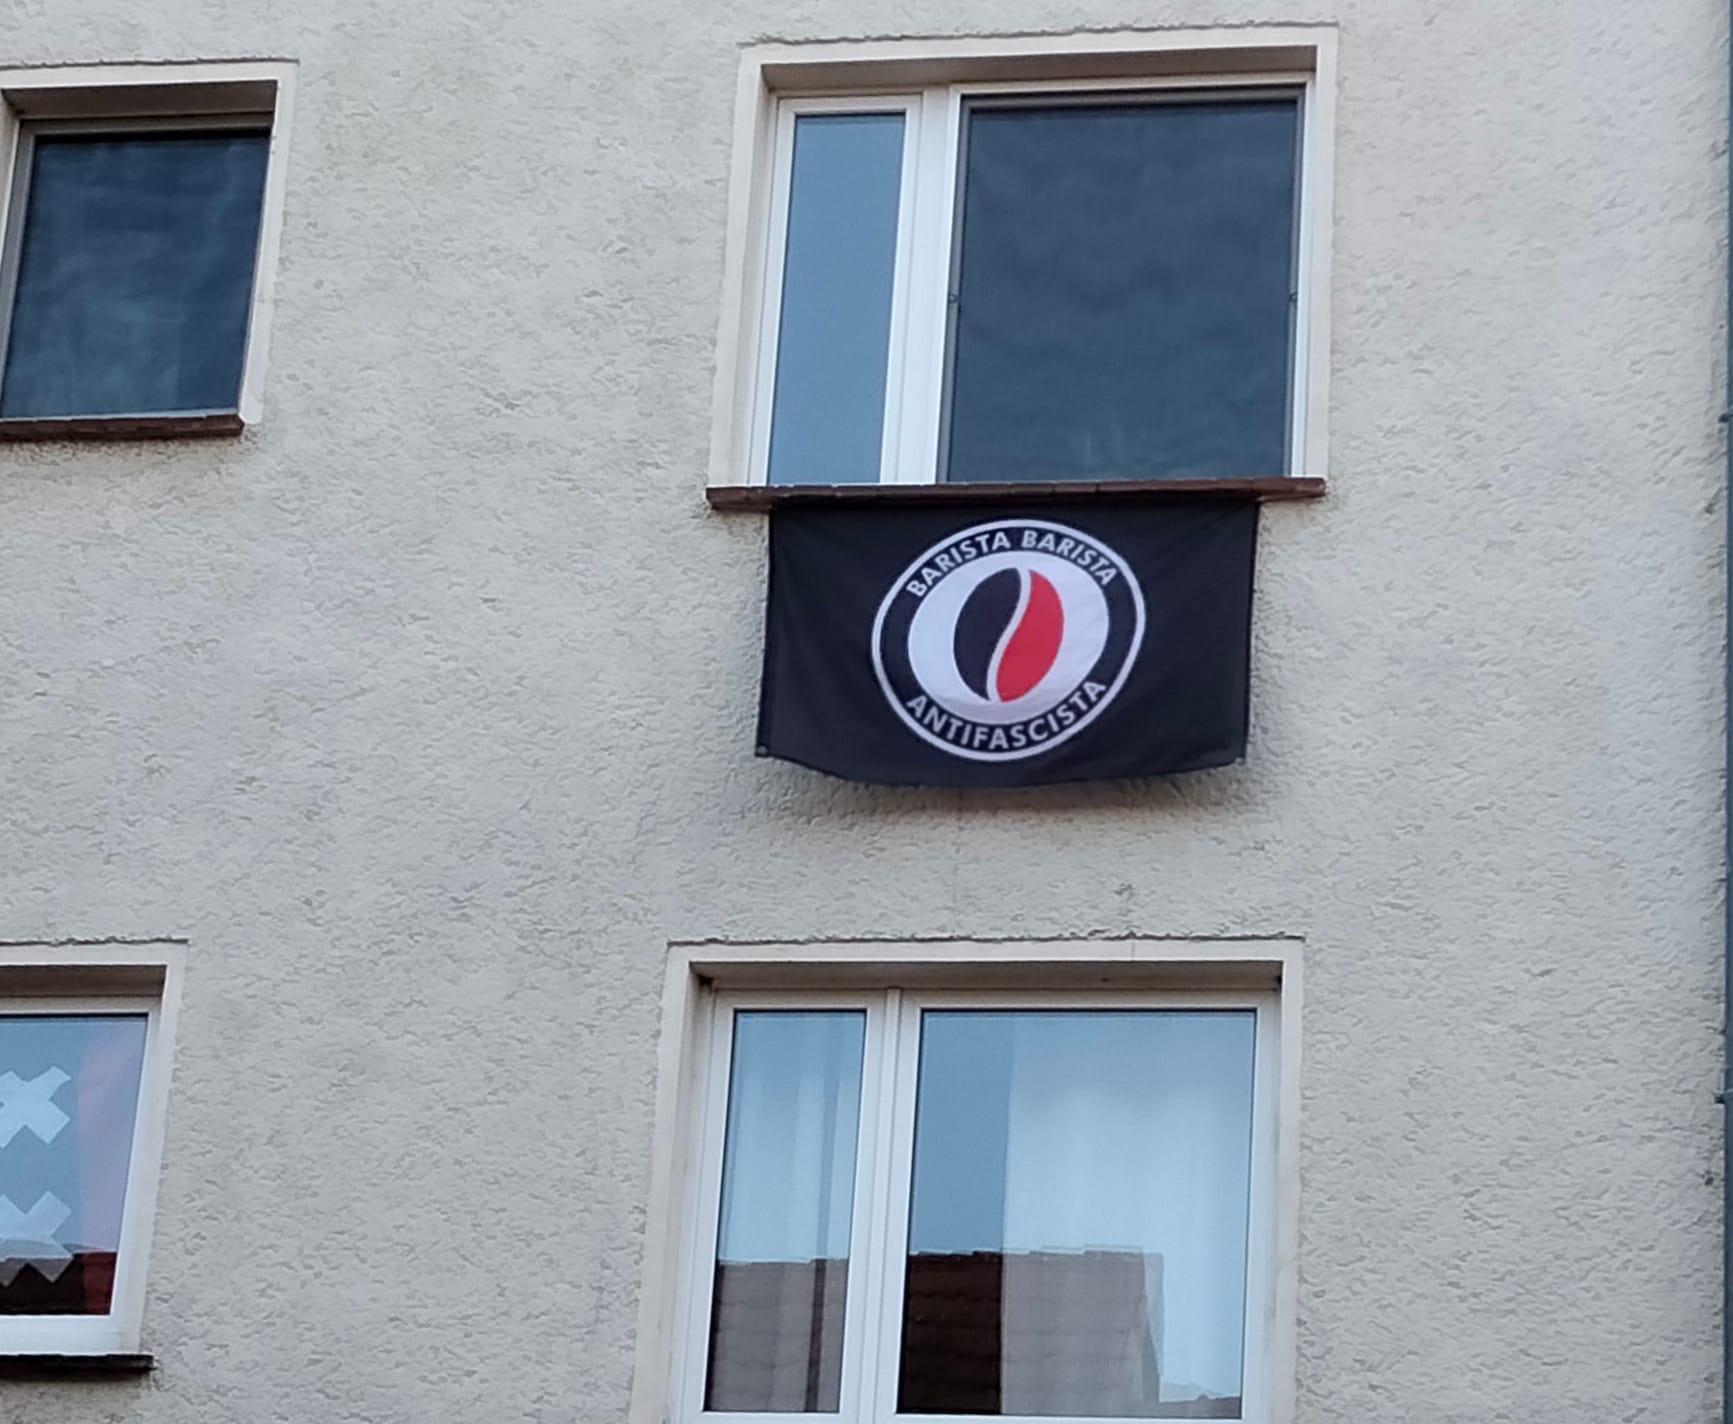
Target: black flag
1011 646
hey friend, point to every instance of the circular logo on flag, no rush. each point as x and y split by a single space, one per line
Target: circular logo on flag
1008 638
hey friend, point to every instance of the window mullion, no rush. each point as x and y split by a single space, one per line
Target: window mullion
908 244
877 1117
891 1203
857 1383
915 459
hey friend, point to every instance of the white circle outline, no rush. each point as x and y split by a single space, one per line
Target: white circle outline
951 593
1135 646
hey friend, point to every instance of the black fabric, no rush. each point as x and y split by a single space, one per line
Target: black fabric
1177 703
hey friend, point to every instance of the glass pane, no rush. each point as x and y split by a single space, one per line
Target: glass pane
827 421
1077 1232
1123 292
788 1166
68 1100
135 274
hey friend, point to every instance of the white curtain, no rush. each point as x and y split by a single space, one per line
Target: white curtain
787 1191
1125 1194
793 1114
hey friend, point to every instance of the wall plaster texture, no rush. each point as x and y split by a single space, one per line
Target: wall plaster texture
424 714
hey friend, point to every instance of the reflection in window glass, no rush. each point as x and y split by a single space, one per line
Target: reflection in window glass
782 1246
135 274
1079 1215
68 1101
833 344
1123 305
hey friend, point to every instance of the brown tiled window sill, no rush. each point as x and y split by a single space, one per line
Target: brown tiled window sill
1263 489
63 1366
123 427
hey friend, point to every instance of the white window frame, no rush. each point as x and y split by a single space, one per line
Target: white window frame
779 83
769 325
873 1317
136 98
109 980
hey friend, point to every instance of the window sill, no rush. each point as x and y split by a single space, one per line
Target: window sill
757 498
65 1366
123 427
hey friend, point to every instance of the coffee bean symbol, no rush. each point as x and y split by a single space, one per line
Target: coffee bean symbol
1008 634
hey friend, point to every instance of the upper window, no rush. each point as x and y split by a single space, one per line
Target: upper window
1092 279
1028 260
80 1108
130 271
983 1206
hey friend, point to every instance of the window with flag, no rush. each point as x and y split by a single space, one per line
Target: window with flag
77 1114
985 282
982 1206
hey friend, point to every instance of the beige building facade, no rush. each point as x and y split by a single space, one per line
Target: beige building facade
379 773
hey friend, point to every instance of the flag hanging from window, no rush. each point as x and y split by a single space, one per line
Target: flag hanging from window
1046 642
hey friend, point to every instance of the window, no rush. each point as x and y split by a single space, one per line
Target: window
977 1206
131 270
1106 275
82 1082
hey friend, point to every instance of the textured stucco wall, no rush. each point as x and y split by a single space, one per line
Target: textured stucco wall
424 713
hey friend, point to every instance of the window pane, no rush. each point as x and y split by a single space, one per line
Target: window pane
827 421
135 274
1077 1233
788 1168
68 1099
1123 292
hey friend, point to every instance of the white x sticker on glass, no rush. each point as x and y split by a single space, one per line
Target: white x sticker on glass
31 1104
27 1238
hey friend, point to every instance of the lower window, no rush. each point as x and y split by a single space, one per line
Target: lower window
1050 1207
79 1107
